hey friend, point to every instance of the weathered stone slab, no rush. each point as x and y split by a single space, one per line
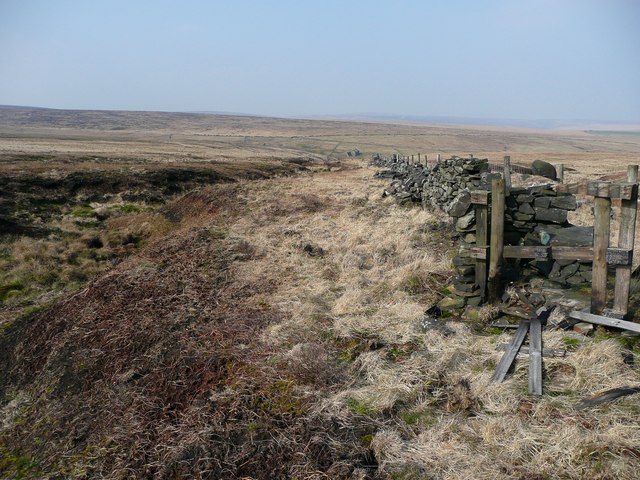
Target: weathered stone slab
542 202
566 202
466 221
552 215
460 205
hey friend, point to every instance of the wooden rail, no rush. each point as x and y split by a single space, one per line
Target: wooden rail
601 254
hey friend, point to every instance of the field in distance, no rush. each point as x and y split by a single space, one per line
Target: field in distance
110 137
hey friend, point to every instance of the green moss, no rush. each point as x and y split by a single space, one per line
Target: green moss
365 440
8 288
417 418
413 285
130 208
17 465
570 342
279 398
360 407
82 211
218 233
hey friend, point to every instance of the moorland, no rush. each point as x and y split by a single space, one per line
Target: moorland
219 296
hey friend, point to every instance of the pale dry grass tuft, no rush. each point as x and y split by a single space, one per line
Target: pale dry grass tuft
442 418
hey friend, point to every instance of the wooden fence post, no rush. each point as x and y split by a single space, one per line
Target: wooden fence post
560 173
497 239
507 173
482 240
626 238
602 213
438 158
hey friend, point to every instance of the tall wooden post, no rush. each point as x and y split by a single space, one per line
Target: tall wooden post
626 238
419 162
560 172
497 239
507 173
438 158
602 213
482 239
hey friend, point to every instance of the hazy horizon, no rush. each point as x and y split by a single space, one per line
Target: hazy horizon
523 60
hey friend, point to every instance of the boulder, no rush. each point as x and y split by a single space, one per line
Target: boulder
460 205
467 221
544 169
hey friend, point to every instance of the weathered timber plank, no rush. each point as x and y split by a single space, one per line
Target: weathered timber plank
497 238
584 254
626 238
546 352
609 322
601 229
575 188
478 252
624 191
482 239
535 357
507 174
598 189
480 197
614 255
539 253
510 354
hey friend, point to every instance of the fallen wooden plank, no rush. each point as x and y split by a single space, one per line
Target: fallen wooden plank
546 352
510 354
535 357
516 312
609 322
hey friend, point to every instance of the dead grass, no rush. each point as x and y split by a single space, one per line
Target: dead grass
227 348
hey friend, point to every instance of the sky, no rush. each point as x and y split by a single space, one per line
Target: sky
519 59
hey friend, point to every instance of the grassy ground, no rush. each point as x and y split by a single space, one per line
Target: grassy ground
272 330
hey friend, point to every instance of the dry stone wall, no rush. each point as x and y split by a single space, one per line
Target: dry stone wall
533 216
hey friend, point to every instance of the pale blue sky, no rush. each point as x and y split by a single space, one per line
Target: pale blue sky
527 59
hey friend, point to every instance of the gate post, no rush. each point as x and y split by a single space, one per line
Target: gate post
497 238
628 213
601 231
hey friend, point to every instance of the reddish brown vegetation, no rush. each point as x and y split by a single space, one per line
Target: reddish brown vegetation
156 370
